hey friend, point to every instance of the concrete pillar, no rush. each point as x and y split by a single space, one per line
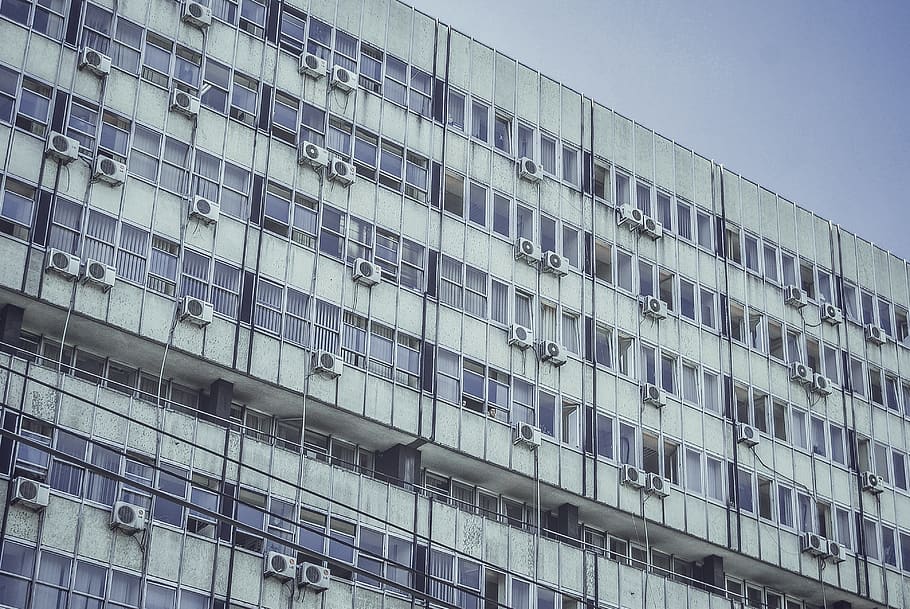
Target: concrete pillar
712 571
218 403
567 521
399 464
10 328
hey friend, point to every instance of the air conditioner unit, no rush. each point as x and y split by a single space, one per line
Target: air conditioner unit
814 544
127 517
520 336
655 485
632 476
801 372
280 566
837 553
830 313
821 384
795 296
342 172
99 274
552 352
343 79
110 171
525 433
62 263
874 334
555 264
529 169
197 14
61 148
95 61
652 228
653 307
527 250
327 364
30 494
366 273
632 216
205 210
184 103
196 311
314 155
313 577
313 65
872 482
746 434
654 395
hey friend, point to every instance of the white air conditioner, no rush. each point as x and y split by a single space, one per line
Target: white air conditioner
655 485
127 517
30 494
196 311
343 79
313 577
746 434
342 172
874 334
529 169
520 336
814 544
632 216
110 171
830 313
99 274
653 395
527 250
552 262
552 352
197 14
652 228
653 307
313 65
184 103
315 155
795 296
280 566
525 433
327 364
837 553
872 482
632 476
61 148
366 273
62 263
205 210
821 384
801 372
95 61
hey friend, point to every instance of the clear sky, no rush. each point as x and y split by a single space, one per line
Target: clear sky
810 99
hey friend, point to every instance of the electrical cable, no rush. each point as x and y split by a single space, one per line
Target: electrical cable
188 479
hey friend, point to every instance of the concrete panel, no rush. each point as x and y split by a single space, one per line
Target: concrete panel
644 152
570 128
528 107
703 195
506 83
375 17
398 40
481 70
550 105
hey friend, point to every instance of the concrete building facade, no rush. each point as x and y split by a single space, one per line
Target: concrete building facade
326 304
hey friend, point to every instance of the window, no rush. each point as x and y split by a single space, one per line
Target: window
480 117
252 17
269 297
16 208
525 141
453 199
502 208
548 154
570 166
34 105
456 112
705 231
570 333
684 219
502 133
163 266
770 259
477 204
9 84
750 252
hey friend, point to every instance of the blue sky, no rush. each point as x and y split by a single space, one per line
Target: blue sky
809 99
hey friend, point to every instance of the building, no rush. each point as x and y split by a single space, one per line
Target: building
333 283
